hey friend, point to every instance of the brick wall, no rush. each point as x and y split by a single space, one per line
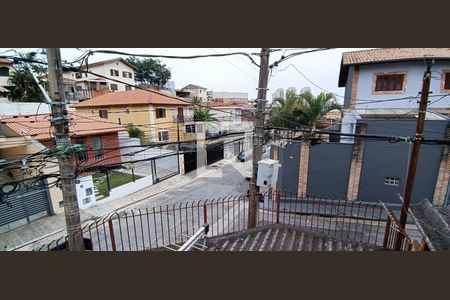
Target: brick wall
443 176
303 168
356 164
354 87
109 140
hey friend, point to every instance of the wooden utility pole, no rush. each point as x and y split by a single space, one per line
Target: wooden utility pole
60 123
409 186
258 137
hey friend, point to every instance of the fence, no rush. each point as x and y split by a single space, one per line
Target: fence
159 168
151 229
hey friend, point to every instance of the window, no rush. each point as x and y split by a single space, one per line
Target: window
190 128
392 181
127 74
127 111
97 145
82 156
163 136
119 121
446 79
103 113
160 113
113 87
4 72
78 75
127 88
389 82
114 72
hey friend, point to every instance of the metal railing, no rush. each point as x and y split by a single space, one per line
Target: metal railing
158 227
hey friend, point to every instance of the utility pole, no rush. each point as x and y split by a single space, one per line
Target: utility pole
415 151
259 135
60 123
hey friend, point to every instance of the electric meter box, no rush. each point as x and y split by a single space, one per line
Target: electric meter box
267 173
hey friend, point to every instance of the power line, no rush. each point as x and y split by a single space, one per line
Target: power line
174 56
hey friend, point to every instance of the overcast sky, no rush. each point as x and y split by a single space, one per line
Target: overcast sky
236 73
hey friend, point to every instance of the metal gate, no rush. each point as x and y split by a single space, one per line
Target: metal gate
24 205
214 153
190 161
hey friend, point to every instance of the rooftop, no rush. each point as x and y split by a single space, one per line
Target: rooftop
433 223
5 61
283 238
193 87
134 97
103 62
38 126
388 55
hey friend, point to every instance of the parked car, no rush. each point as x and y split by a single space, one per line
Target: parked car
244 155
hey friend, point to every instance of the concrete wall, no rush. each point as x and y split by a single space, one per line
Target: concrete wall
383 159
129 188
414 75
12 108
289 157
348 87
329 167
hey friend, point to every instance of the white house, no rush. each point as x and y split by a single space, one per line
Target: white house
88 86
196 91
5 66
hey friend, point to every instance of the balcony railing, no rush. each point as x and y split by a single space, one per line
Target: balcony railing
153 228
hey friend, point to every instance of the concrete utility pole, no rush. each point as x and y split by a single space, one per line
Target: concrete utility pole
259 135
415 150
60 123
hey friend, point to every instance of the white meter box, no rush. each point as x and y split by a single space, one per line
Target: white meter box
267 173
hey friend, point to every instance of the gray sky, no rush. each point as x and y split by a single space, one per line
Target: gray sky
237 74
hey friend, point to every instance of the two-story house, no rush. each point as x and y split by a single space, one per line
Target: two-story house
87 86
5 66
196 91
23 135
153 112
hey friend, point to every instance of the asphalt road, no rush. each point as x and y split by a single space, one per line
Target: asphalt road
228 179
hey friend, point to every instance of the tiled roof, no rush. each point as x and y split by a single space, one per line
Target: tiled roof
5 61
283 238
38 126
134 97
433 223
393 54
221 103
381 55
99 63
193 86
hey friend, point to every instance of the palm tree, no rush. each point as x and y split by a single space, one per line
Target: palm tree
284 111
313 108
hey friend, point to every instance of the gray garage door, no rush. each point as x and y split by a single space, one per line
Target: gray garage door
23 206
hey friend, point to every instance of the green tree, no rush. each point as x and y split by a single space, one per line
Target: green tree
304 109
23 87
313 108
134 132
150 71
201 113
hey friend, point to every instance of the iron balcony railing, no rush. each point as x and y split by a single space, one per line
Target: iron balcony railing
154 228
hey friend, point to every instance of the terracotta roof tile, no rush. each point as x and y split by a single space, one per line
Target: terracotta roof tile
393 54
134 97
6 61
38 126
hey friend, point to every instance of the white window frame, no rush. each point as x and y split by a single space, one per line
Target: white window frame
392 181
